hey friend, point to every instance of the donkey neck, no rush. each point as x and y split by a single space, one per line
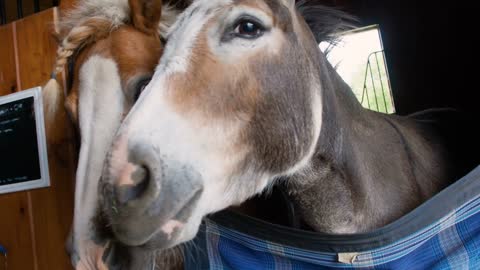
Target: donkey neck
349 185
340 112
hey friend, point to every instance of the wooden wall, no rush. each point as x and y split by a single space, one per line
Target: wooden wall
34 224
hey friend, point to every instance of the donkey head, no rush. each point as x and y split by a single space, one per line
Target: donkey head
233 104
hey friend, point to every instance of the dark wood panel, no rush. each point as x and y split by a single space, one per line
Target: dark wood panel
11 10
8 78
28 8
36 48
52 208
15 234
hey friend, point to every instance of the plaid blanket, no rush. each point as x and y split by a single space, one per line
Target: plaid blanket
443 233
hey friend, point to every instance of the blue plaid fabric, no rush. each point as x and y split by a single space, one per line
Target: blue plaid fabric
452 242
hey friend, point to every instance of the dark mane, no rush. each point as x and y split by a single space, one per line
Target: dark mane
325 22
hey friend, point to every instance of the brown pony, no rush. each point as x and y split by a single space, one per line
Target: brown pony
113 47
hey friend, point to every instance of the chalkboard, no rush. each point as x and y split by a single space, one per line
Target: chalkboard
23 152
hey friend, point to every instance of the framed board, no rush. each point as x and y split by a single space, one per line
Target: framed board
23 147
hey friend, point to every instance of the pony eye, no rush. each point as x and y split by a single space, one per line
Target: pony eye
248 29
140 87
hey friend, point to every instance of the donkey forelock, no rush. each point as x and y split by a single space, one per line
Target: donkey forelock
325 22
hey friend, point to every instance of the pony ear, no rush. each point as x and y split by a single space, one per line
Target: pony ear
146 14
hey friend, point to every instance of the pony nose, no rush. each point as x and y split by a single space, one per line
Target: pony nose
132 183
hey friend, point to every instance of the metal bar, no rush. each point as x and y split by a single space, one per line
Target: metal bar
363 93
365 86
36 6
368 98
381 82
389 84
19 9
3 13
366 93
374 88
364 83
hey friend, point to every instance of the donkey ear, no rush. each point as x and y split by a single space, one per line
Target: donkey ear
146 14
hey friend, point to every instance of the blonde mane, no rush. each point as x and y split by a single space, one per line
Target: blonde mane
92 20
87 22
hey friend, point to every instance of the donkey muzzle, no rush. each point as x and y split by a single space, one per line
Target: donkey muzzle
148 198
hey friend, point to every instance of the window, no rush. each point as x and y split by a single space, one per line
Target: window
359 58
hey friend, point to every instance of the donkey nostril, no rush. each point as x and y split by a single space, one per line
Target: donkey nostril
139 180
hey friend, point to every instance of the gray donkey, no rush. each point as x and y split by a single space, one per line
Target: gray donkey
243 96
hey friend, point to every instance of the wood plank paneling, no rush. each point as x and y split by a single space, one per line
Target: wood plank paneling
8 77
52 208
15 230
15 223
36 48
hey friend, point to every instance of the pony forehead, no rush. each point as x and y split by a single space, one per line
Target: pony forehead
117 12
92 20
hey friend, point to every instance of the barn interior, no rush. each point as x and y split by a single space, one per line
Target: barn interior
425 58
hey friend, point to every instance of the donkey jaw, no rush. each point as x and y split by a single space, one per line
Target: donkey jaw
157 232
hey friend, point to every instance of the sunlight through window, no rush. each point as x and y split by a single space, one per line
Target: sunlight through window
359 58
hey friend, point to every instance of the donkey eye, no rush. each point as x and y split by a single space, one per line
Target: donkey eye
140 86
248 28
